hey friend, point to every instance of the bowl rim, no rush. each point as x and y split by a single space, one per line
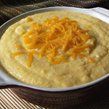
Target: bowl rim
23 15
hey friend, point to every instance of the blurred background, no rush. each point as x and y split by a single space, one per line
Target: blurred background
11 8
78 3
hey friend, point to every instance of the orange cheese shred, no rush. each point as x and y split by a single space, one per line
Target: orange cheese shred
18 46
91 60
30 59
17 53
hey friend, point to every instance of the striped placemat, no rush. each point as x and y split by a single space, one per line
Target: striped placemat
11 8
9 100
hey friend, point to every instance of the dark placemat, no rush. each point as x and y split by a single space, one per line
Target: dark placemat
11 8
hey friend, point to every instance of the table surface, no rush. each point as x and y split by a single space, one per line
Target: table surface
8 9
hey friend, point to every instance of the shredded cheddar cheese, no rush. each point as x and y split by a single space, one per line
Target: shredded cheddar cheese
30 59
56 39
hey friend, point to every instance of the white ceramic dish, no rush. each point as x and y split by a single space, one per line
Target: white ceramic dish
98 12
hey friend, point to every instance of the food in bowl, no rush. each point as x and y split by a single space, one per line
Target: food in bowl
56 49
